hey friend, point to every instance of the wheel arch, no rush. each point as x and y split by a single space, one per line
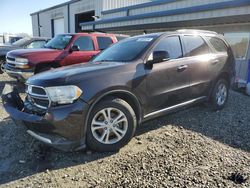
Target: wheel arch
127 96
222 75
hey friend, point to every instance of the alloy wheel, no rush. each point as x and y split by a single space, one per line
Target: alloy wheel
109 125
221 94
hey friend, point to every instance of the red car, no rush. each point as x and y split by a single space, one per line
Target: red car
62 50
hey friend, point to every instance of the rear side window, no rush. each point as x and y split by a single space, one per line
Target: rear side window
195 45
104 42
84 43
172 45
218 44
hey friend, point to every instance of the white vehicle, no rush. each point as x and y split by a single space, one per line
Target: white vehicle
9 39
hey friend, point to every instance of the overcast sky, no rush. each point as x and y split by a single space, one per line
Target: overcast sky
15 14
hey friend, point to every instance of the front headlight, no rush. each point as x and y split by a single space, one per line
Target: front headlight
21 60
64 94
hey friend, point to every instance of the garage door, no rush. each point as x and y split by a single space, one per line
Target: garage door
58 26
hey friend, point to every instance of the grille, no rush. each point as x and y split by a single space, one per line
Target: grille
38 96
38 91
10 59
10 62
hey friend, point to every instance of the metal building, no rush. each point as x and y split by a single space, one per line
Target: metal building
228 17
66 17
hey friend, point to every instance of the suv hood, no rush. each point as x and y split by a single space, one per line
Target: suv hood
69 74
30 52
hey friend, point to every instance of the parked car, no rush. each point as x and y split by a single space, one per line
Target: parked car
27 42
100 104
9 39
62 50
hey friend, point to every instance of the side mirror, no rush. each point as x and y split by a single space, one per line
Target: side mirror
160 56
75 48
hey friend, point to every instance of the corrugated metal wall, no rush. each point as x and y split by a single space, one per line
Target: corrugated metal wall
46 17
104 5
180 17
113 4
172 6
75 8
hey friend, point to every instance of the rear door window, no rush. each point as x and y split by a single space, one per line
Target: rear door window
85 43
172 45
104 42
194 46
218 44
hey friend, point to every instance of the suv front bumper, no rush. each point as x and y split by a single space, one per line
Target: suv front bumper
61 127
17 73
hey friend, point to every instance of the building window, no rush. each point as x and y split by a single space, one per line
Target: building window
239 43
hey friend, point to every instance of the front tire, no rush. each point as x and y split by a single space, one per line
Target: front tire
111 125
220 94
2 60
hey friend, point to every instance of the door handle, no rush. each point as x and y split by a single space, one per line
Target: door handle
182 67
214 62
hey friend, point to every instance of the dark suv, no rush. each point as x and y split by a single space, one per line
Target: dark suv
99 104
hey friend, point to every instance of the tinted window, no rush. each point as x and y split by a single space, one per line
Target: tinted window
171 45
37 44
104 42
59 42
218 44
84 43
126 50
195 45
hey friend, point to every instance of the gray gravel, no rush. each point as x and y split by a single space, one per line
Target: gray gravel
192 148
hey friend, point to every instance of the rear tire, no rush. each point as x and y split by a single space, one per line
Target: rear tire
220 94
111 125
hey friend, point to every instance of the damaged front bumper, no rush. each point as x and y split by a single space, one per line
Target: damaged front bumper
61 127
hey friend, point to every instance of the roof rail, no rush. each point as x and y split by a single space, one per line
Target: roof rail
196 31
93 30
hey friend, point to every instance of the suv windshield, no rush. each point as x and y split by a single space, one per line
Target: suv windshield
21 42
59 42
126 50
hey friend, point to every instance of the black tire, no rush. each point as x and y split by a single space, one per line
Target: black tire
126 109
2 60
216 105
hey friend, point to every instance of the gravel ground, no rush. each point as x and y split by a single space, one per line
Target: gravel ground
192 148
